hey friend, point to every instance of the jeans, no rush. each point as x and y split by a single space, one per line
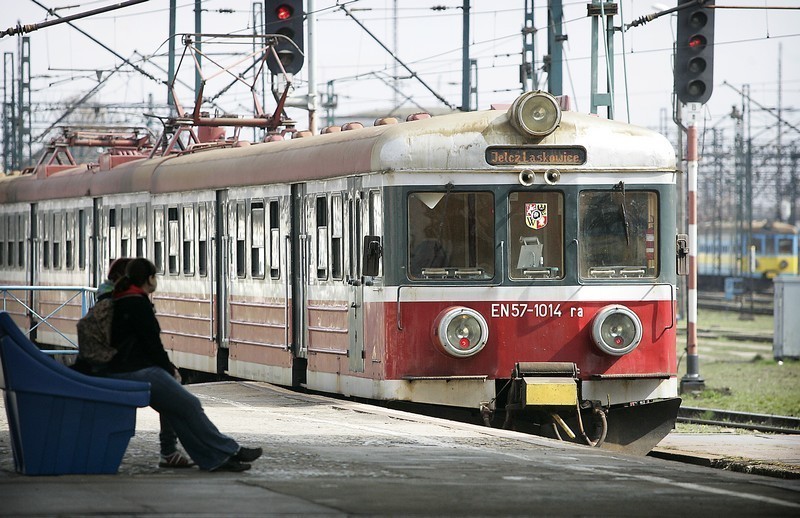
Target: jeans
182 411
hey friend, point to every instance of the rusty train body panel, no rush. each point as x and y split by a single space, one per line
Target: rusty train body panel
455 260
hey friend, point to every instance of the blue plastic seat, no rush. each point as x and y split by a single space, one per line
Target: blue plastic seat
61 421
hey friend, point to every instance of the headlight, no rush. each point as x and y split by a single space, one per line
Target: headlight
460 332
616 330
535 113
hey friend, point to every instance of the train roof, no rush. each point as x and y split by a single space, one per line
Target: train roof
454 142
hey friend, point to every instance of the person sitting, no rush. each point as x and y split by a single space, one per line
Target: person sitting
141 356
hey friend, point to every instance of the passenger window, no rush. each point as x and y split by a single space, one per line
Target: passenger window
451 235
241 233
47 228
158 239
81 239
337 234
2 240
173 234
617 233
202 243
322 237
125 233
141 232
69 243
257 242
188 240
112 234
536 235
274 239
58 236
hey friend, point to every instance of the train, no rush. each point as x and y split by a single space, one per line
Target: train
517 264
723 253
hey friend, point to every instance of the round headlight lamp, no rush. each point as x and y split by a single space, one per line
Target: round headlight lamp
616 330
535 113
460 332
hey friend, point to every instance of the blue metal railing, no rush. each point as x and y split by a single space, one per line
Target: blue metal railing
85 293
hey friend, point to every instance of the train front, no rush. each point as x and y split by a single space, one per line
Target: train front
537 275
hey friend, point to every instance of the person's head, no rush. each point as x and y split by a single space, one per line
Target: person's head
139 272
117 268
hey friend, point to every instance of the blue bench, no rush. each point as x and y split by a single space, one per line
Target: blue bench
61 421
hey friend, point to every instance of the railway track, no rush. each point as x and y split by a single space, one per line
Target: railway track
760 305
744 420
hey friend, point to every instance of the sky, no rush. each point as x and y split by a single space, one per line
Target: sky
749 45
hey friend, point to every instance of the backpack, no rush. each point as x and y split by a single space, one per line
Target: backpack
94 333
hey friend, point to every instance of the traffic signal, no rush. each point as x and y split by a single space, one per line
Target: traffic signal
286 17
694 52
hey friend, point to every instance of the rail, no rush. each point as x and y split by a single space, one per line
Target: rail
80 291
745 420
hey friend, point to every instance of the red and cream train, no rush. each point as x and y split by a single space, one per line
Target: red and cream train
519 262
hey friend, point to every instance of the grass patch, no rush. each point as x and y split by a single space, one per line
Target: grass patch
741 376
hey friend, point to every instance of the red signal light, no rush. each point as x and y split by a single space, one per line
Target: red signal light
283 12
697 42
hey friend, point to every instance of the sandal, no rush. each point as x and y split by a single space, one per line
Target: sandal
175 460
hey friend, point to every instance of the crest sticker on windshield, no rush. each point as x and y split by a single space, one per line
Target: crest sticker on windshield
536 215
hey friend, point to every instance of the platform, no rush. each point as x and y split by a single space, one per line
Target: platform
336 457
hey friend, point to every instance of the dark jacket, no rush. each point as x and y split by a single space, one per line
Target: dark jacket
136 334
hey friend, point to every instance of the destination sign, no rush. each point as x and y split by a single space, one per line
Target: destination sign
536 155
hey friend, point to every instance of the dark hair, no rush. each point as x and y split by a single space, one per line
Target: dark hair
137 272
118 267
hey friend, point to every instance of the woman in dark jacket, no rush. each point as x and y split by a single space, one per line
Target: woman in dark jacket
141 356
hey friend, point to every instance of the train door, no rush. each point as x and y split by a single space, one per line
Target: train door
355 226
224 226
298 255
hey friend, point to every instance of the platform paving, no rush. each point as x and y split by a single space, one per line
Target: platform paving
329 457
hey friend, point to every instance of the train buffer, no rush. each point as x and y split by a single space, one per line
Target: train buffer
61 421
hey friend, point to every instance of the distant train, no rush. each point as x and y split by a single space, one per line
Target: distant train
519 263
723 253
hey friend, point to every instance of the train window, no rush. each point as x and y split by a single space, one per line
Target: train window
617 233
11 244
375 221
257 241
141 231
81 239
785 245
536 235
451 235
337 225
125 232
21 232
47 228
274 239
758 244
158 239
69 243
112 233
173 237
241 229
2 240
58 234
11 256
322 237
188 240
202 241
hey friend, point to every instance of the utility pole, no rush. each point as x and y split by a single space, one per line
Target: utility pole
171 66
555 47
597 10
198 28
527 70
465 62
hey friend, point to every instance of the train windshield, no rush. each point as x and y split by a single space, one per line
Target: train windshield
617 233
451 235
536 235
